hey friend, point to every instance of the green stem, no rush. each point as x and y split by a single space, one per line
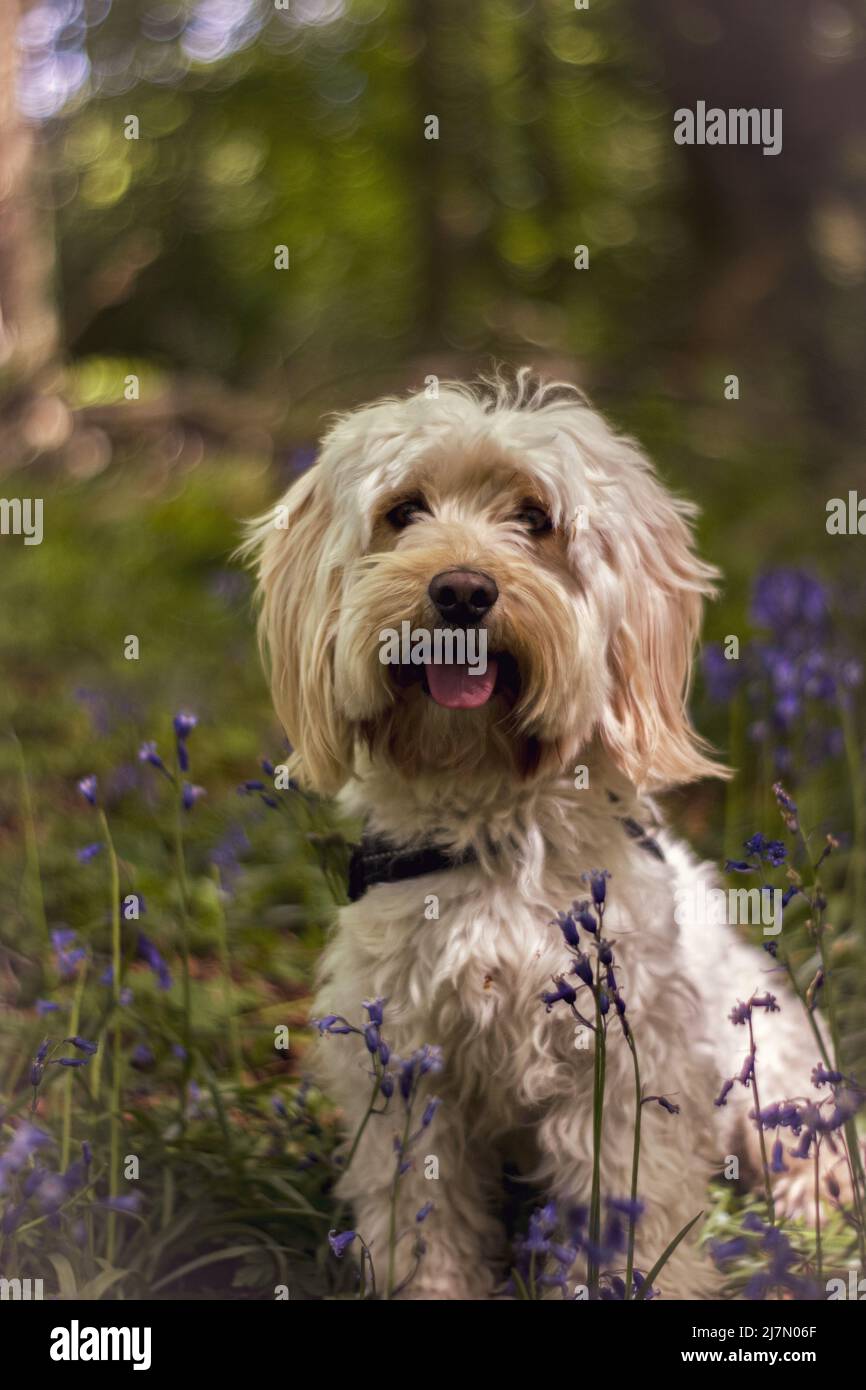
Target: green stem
116 1050
857 860
180 869
392 1219
226 964
74 1020
818 1249
635 1167
597 1123
768 1186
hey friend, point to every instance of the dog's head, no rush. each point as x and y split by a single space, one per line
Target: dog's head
511 517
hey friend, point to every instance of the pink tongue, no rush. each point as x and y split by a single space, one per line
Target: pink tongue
456 687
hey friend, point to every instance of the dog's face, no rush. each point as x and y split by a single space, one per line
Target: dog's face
520 525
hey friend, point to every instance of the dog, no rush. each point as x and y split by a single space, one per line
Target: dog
512 508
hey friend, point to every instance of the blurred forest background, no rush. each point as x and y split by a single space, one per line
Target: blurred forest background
161 380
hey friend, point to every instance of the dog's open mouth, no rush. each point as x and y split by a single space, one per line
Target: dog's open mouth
459 685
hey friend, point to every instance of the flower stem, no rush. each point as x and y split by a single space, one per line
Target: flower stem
635 1167
226 967
116 1054
74 1020
392 1220
597 1121
180 870
768 1186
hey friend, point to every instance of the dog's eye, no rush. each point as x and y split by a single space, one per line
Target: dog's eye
534 519
406 512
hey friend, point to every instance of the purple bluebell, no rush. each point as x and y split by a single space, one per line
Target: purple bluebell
822 1077
142 1057
563 992
597 880
568 927
340 1241
184 724
329 1024
582 968
423 1212
429 1111
585 917
148 952
190 794
88 852
127 1205
83 1045
375 1010
148 753
87 787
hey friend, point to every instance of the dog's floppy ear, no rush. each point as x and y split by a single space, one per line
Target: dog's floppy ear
299 593
646 727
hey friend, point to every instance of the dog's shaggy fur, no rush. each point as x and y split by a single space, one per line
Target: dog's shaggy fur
594 628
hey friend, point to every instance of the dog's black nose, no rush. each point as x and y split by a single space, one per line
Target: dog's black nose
463 596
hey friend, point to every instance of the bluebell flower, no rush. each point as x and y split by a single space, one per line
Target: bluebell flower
597 880
12 1217
585 917
191 794
722 677
46 1006
66 954
83 1045
371 1037
789 599
330 1022
423 1212
564 991
722 1097
568 927
87 787
126 1205
142 1057
69 1062
429 1111
665 1104
822 1077
148 951
147 753
88 852
386 1085
625 1206
582 968
183 726
375 1010
777 1161
340 1241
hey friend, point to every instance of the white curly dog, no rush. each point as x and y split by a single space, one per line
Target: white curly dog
514 510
